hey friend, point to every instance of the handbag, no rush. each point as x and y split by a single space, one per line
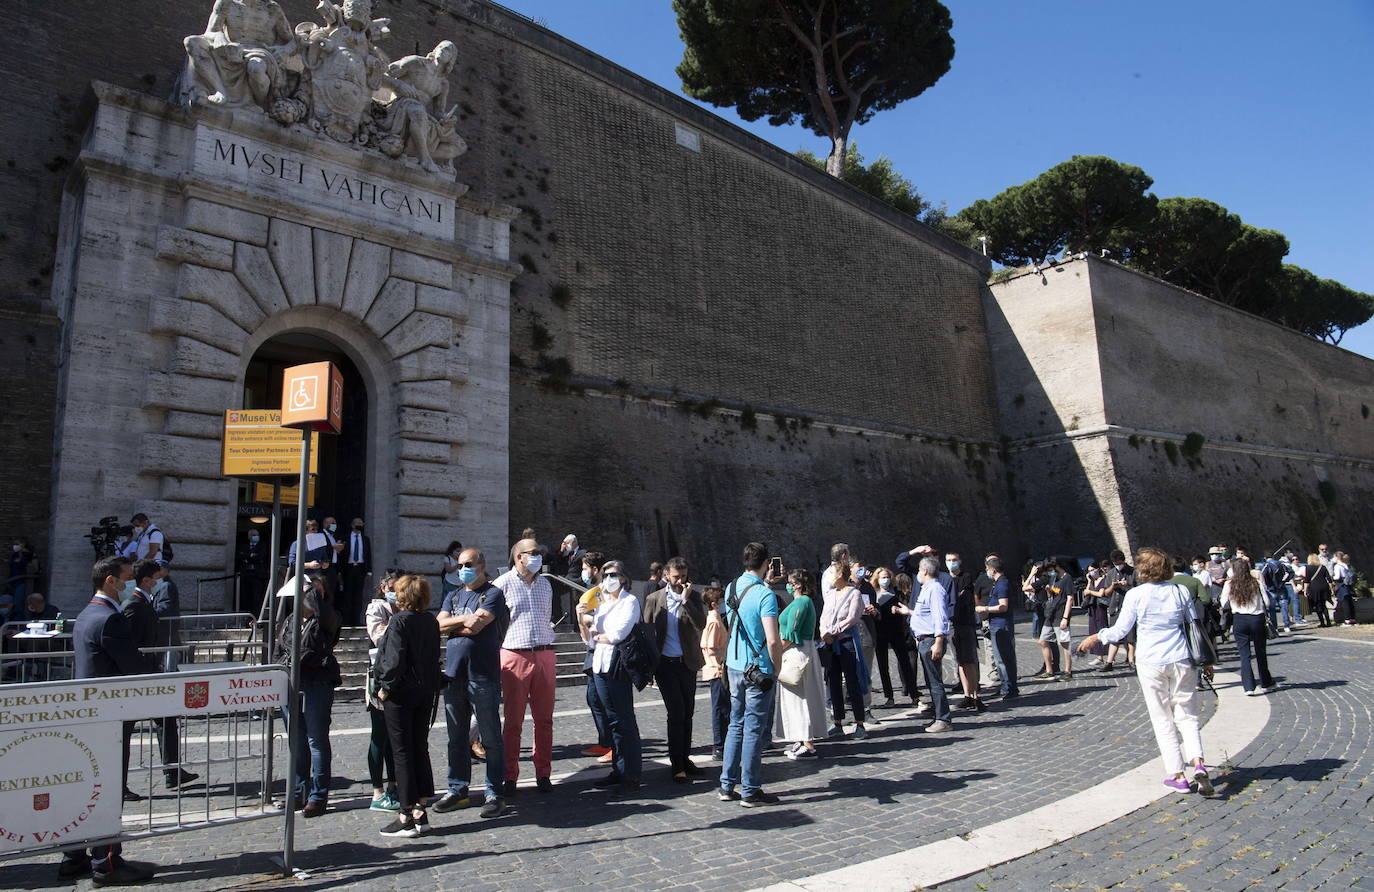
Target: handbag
794 664
1202 651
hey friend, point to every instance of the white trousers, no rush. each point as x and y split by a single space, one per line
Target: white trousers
1171 699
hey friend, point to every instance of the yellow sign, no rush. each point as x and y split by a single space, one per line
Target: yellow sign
290 495
256 445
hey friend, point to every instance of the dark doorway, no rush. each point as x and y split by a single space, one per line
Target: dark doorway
340 487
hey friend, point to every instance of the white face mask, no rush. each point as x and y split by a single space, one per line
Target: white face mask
533 562
885 583
610 585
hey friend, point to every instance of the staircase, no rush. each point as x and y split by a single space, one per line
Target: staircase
353 646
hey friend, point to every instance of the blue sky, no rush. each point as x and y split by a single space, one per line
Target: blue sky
1263 106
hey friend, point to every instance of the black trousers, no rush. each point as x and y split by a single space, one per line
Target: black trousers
895 639
1250 631
677 684
408 729
842 669
351 595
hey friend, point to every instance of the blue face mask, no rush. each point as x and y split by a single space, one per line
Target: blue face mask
128 589
468 575
391 598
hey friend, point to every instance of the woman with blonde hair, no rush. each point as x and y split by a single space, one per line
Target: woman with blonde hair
407 686
1248 601
1157 609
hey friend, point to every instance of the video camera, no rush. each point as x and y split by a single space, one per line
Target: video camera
105 535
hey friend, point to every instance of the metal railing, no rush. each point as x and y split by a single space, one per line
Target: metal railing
231 602
210 766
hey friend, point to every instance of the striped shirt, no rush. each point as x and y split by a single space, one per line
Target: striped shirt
531 611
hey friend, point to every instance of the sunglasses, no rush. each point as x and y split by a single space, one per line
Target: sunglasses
610 575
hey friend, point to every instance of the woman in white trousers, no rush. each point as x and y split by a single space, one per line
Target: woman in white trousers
1157 609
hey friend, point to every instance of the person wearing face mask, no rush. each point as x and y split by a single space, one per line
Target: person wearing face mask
23 563
473 618
1059 589
865 634
330 528
842 610
528 663
1096 602
613 622
585 609
146 541
964 628
381 762
678 616
892 636
253 565
800 710
1116 582
355 562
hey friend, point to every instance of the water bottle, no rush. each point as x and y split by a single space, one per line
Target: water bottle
61 623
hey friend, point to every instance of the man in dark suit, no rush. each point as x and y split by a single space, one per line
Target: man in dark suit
104 647
253 564
145 625
678 615
356 559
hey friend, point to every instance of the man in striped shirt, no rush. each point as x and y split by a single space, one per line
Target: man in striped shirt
528 662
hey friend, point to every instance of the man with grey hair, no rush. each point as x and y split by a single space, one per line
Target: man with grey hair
528 662
929 613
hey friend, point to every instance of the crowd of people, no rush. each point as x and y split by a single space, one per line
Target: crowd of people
788 654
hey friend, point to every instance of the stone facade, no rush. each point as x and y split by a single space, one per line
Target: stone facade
1104 373
189 241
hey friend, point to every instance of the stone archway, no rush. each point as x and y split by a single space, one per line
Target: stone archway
183 264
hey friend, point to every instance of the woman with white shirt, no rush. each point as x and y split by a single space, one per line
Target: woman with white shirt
614 620
1245 597
844 609
1157 609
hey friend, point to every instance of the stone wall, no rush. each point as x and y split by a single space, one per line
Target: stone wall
726 274
1104 373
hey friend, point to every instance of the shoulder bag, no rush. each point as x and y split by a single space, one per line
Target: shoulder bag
1202 651
754 676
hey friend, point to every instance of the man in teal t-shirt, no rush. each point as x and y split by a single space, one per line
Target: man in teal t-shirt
751 611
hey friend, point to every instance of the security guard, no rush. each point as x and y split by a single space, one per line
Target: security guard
104 646
143 620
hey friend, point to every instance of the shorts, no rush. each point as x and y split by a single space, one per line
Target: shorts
965 640
1049 633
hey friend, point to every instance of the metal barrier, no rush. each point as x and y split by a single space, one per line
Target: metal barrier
61 745
231 602
193 642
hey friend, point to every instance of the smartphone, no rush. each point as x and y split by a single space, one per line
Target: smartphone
775 567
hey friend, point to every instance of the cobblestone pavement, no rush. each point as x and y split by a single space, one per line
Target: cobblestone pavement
1293 812
862 800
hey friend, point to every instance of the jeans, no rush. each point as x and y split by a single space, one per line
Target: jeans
464 698
313 760
381 765
751 714
1004 655
1251 634
619 699
720 711
678 686
599 717
842 670
1288 604
935 680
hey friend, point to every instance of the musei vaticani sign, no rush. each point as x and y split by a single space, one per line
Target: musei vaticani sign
268 169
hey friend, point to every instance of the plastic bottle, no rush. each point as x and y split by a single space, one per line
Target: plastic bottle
61 623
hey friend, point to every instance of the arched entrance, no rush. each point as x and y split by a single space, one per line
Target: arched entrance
354 478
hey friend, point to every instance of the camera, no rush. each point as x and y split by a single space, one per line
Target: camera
105 535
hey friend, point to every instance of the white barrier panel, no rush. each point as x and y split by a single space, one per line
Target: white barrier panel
61 754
